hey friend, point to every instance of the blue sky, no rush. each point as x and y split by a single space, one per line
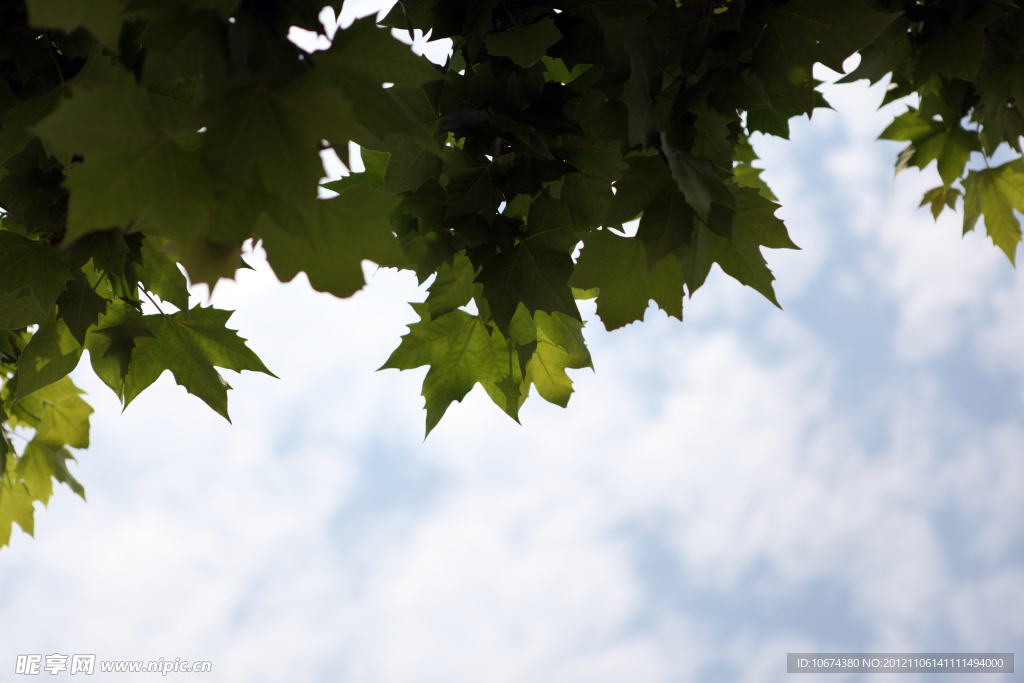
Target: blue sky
843 475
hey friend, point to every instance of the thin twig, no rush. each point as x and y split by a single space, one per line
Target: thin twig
143 290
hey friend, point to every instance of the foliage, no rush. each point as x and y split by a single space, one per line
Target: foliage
144 138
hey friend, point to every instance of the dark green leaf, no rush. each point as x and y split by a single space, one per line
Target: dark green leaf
802 32
524 45
79 306
539 280
50 355
452 288
352 226
160 275
34 264
617 267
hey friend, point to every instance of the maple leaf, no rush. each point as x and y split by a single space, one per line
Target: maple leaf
51 354
15 506
995 193
352 226
279 130
112 341
189 344
28 111
940 197
547 345
537 279
33 264
452 288
524 45
79 306
752 226
617 267
949 145
40 464
802 32
957 51
362 58
64 416
133 166
459 350
160 275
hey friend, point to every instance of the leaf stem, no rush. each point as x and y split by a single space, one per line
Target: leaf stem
152 301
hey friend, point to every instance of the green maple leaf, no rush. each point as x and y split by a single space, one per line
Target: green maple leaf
280 130
957 52
642 88
995 193
112 341
646 179
547 345
774 120
133 167
753 225
352 226
507 392
182 44
51 354
64 417
15 506
190 344
536 278
551 227
1003 124
102 18
666 225
106 249
20 309
453 287
366 51
473 185
460 352
40 464
617 267
713 135
524 45
160 275
79 306
697 180
745 173
940 197
33 264
19 120
588 199
596 158
755 221
949 145
411 163
30 190
220 345
207 261
802 32
363 57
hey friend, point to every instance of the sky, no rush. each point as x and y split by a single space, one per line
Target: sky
843 475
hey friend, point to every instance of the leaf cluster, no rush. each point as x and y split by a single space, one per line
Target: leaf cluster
143 140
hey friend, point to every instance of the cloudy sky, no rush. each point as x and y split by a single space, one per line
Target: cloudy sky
843 475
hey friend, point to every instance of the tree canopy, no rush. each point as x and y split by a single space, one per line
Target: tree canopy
143 140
